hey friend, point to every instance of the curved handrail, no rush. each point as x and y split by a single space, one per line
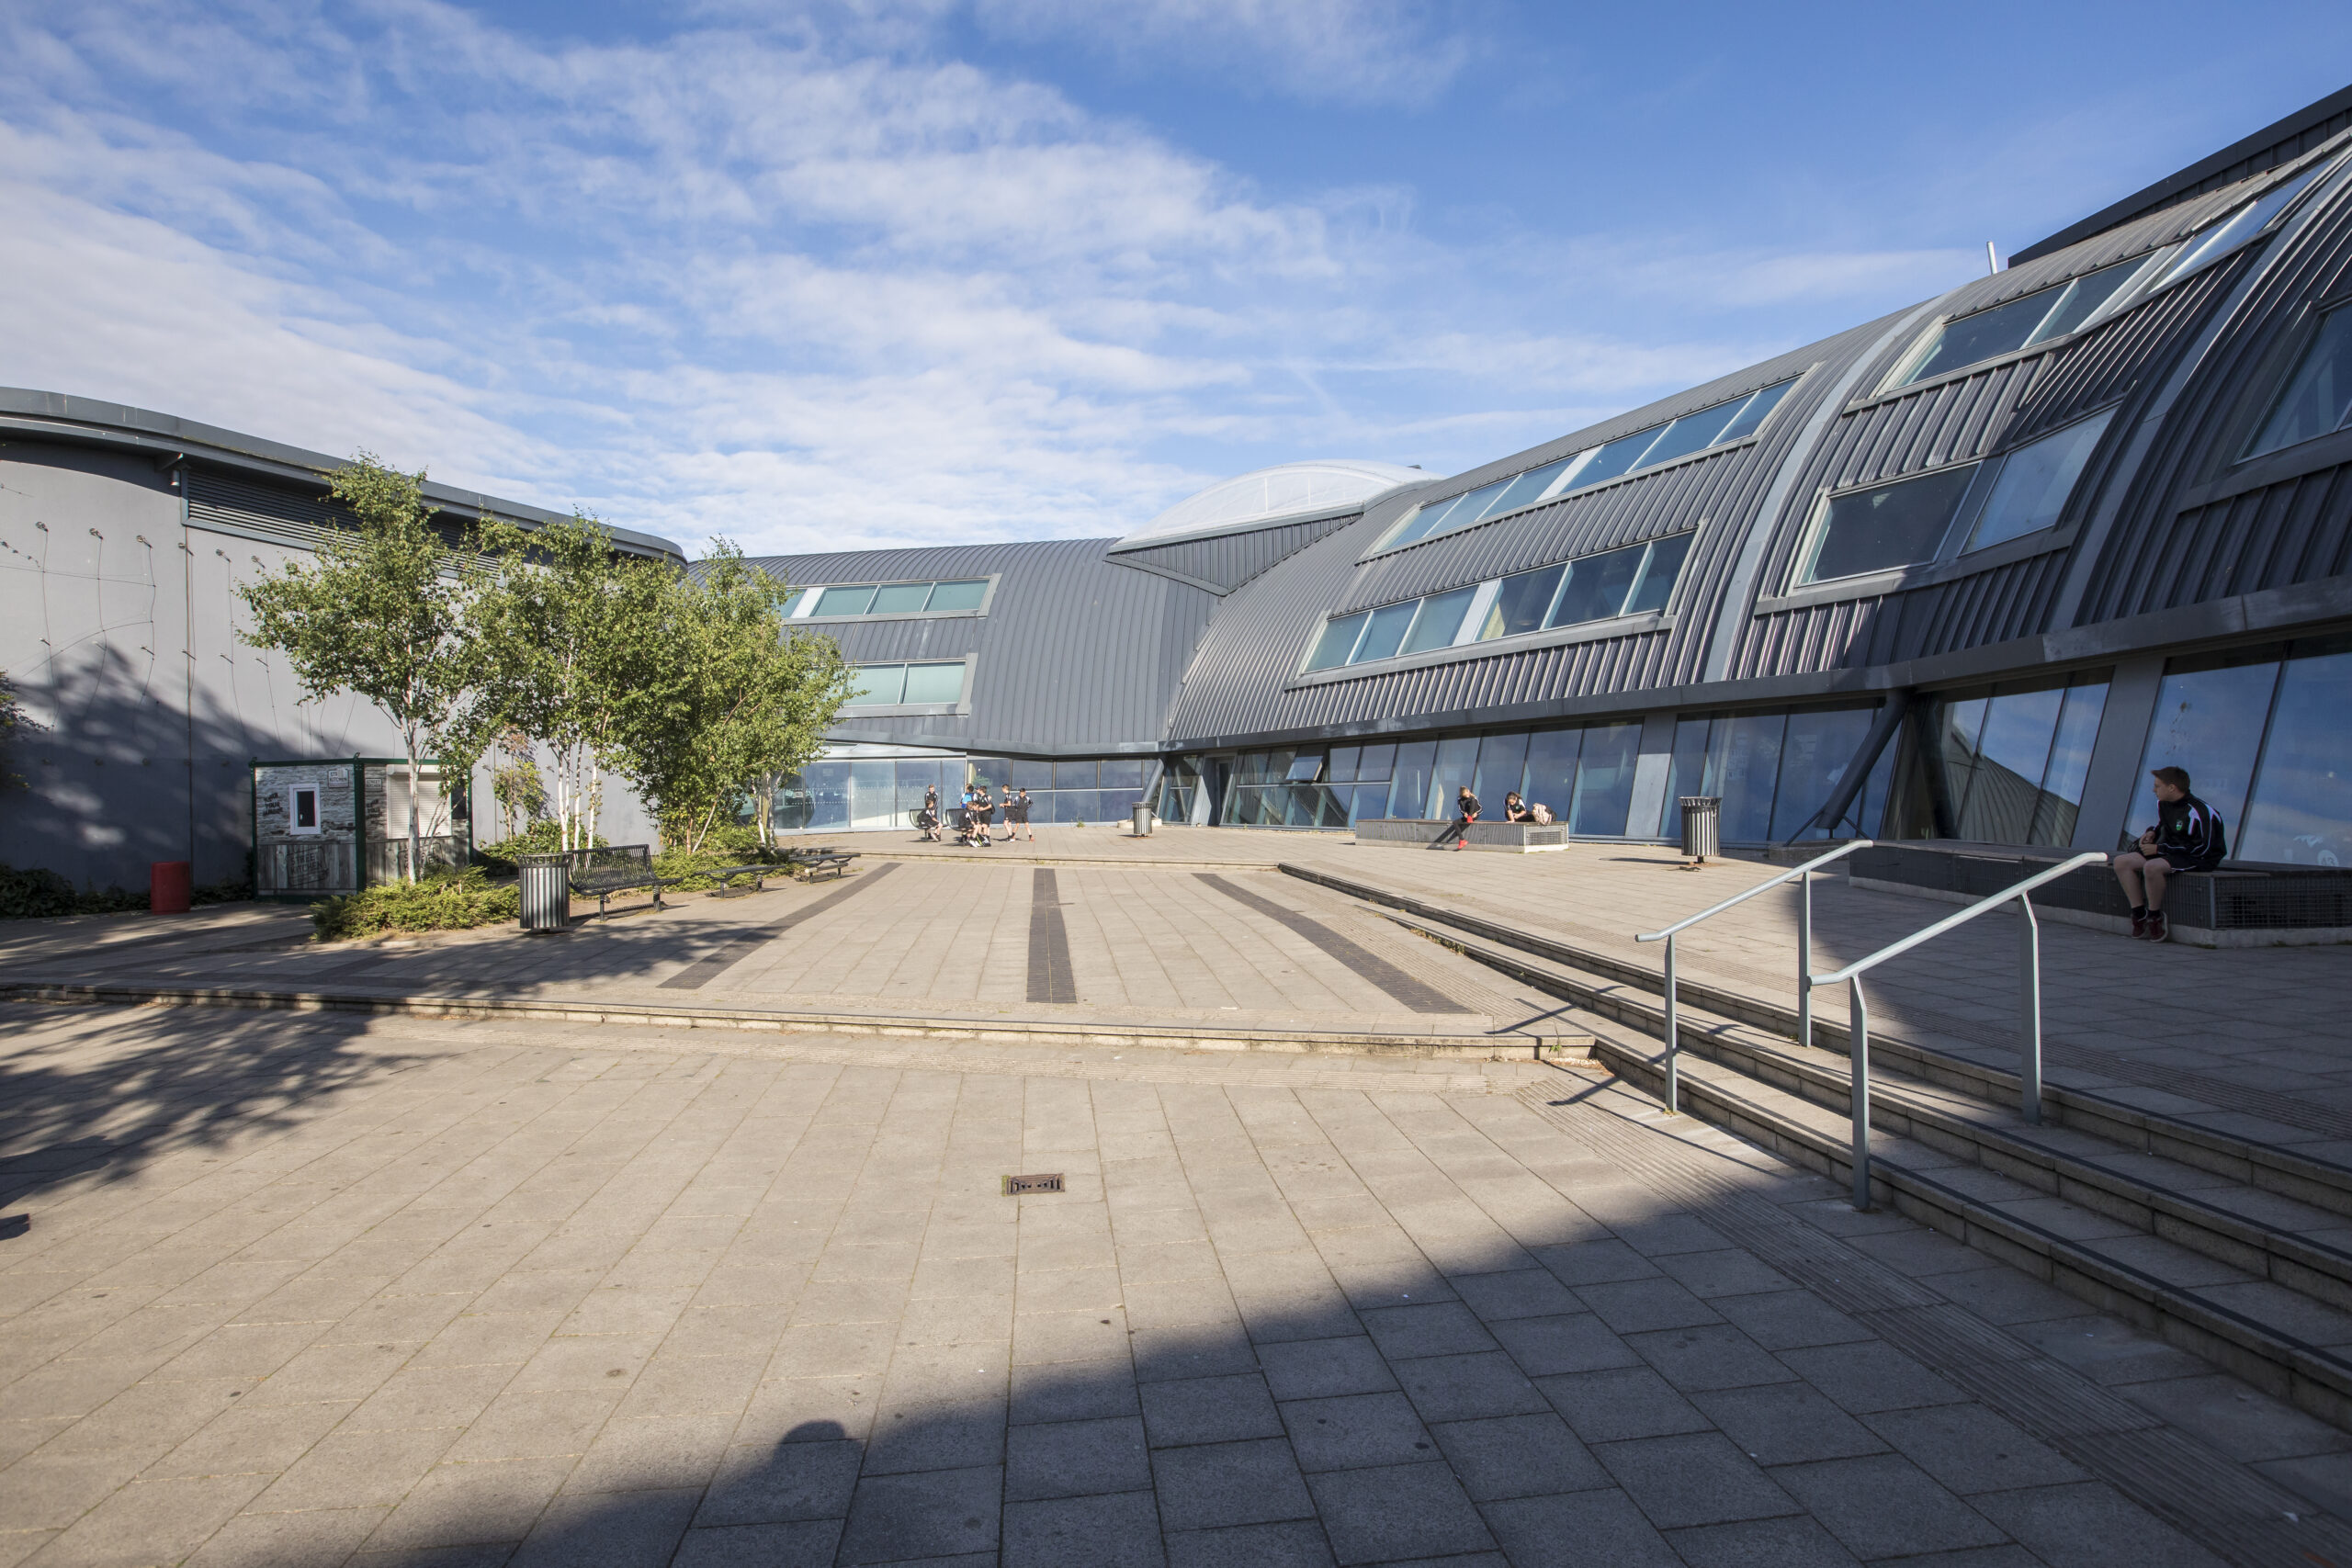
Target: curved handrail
1789 876
1862 965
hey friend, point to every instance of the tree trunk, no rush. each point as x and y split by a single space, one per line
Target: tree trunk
415 835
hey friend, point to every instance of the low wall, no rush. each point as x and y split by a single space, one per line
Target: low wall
1498 837
2230 907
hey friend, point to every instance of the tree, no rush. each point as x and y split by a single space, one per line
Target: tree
726 697
385 612
569 628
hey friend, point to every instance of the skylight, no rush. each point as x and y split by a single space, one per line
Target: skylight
963 595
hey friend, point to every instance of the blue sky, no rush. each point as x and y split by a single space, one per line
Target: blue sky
824 275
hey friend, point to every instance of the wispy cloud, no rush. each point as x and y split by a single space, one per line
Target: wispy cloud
812 285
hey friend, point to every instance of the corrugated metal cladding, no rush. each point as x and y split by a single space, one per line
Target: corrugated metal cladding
1075 656
1228 560
2201 528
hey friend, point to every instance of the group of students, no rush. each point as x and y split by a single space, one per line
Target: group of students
1467 808
976 817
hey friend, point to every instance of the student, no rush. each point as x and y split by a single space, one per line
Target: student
983 814
928 820
2187 836
1515 809
966 815
1016 817
1466 806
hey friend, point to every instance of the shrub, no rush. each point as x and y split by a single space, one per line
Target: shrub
695 865
441 903
36 893
541 838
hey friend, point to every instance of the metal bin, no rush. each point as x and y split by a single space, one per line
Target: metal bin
1702 820
1143 821
546 887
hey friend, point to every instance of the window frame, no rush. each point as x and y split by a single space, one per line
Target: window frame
961 706
804 613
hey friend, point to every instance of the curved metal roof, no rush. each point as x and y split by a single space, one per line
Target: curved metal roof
1288 492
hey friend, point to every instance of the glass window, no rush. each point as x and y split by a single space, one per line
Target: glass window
2301 811
1690 774
1552 770
1031 775
2012 756
1894 524
2035 481
2035 318
1528 488
899 598
853 600
1376 761
1457 765
1475 505
935 683
1123 772
874 793
994 771
1522 602
1597 586
1305 768
1440 620
1743 764
1815 754
1617 457
2070 763
1421 521
877 684
1408 793
1338 640
1502 762
2318 397
1752 414
1692 433
1656 589
964 595
2241 226
1385 634
1343 763
2209 721
1074 775
826 802
1605 780
792 599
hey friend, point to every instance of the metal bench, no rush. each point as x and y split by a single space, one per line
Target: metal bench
759 873
808 863
619 868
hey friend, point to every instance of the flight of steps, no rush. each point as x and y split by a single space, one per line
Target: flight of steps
2233 1249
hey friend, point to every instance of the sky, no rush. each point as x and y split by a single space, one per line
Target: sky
851 272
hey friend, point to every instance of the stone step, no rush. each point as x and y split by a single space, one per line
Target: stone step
1633 993
2273 1235
2282 1340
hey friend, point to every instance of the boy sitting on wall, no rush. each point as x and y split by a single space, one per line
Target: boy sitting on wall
2187 836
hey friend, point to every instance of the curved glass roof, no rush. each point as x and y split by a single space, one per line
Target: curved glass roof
1274 495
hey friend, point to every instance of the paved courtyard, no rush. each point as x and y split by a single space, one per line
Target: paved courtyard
285 1289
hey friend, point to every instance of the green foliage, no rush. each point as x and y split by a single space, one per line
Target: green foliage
739 846
384 610
439 903
724 696
538 839
13 719
37 894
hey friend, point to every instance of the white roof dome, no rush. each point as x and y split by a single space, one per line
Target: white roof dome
1315 488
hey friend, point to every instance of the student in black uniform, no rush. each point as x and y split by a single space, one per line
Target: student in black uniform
2187 836
984 814
1514 808
928 818
1467 806
1016 817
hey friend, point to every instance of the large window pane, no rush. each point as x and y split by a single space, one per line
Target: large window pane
878 683
1552 770
1385 634
2207 720
2301 808
844 601
1440 620
1075 776
2035 482
1123 772
1619 457
1474 506
1031 775
1421 521
1305 768
1597 586
1655 590
1522 602
914 778
1375 762
899 598
2319 395
827 785
994 771
1503 763
1752 412
1457 765
957 595
1815 752
1605 779
2070 763
1529 487
2243 225
1338 639
874 793
1343 769
1692 433
2012 756
1984 334
1743 764
935 683
1408 793
1895 524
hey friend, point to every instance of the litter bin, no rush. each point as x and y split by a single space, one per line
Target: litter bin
169 884
545 891
1703 817
1143 822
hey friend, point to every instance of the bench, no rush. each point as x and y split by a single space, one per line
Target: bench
759 873
809 862
618 868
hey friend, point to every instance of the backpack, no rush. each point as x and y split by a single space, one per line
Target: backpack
1539 812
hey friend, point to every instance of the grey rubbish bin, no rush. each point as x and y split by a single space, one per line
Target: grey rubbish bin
1143 821
546 891
1702 824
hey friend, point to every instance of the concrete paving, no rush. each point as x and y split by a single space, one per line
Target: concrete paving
299 1289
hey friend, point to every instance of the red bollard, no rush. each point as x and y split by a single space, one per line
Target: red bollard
169 883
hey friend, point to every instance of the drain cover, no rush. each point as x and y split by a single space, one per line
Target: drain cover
1015 1186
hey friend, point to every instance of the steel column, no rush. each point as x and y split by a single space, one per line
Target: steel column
1859 1031
2029 1006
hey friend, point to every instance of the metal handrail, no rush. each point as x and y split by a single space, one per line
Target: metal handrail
1802 876
2028 1004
